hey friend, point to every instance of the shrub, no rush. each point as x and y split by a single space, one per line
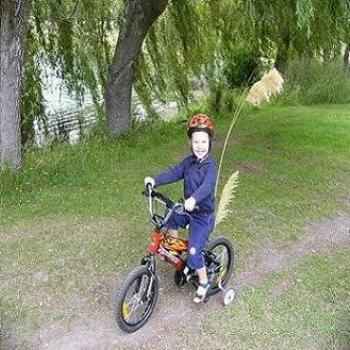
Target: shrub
316 82
241 67
221 100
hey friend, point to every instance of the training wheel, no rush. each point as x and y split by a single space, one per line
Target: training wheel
228 295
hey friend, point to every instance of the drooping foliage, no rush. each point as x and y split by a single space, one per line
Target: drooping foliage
298 28
71 39
222 40
216 43
199 43
32 97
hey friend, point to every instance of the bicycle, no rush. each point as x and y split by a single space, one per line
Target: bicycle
138 293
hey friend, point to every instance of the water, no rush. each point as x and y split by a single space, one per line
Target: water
71 122
68 120
68 126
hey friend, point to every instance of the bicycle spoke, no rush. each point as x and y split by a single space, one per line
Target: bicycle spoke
136 306
220 257
132 307
219 265
136 299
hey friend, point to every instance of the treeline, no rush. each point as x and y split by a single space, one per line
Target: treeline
159 48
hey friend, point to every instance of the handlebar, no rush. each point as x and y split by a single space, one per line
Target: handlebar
150 192
177 207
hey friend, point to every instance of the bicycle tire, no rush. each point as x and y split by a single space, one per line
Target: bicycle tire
226 244
135 280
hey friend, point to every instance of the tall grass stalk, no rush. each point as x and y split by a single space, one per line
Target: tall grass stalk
237 112
270 84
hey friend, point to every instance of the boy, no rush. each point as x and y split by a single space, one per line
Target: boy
199 173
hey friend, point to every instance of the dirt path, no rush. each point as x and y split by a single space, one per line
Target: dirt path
175 314
318 237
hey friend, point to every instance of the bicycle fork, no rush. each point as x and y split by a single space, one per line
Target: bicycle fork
150 261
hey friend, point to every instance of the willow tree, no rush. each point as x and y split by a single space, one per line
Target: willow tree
137 20
193 39
75 37
14 18
346 57
221 40
303 29
33 34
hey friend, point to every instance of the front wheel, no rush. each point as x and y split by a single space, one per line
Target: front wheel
219 257
136 299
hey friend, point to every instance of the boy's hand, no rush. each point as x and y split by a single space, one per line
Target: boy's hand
149 180
190 203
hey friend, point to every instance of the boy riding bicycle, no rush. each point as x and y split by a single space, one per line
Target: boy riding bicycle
199 173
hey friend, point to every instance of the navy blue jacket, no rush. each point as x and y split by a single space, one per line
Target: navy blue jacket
199 180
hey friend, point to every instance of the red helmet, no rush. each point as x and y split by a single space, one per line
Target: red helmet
200 122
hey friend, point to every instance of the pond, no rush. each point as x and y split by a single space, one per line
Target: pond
68 119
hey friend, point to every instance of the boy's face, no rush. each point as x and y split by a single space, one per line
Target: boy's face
200 144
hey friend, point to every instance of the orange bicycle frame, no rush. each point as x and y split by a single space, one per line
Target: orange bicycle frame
169 248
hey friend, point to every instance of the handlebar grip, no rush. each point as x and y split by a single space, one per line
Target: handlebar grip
181 208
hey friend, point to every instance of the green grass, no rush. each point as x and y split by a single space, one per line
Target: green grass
313 82
88 180
74 219
294 164
306 307
1 319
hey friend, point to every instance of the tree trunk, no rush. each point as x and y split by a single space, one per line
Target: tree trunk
346 57
138 18
282 52
14 16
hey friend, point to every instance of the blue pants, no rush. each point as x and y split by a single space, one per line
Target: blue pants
200 228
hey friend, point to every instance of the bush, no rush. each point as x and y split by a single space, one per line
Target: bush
222 100
241 67
315 82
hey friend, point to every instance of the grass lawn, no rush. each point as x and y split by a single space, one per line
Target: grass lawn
74 220
306 307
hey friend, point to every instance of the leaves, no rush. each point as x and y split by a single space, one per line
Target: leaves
193 42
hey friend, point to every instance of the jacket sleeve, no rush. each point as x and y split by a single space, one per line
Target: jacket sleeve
207 187
171 175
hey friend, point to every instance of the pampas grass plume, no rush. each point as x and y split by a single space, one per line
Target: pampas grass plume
226 198
270 84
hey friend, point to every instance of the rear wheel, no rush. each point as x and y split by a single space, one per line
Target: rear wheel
219 257
136 299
